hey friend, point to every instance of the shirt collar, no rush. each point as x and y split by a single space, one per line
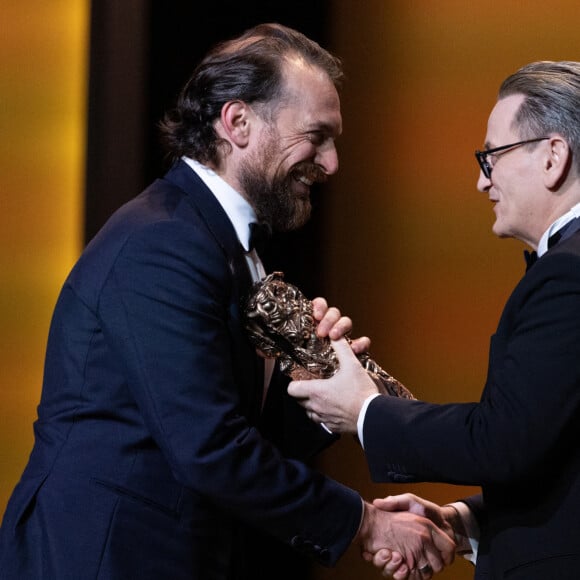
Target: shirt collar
557 225
238 210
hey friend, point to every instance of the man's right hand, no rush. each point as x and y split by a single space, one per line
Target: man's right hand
420 543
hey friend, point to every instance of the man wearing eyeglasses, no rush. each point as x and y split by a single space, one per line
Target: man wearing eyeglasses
520 442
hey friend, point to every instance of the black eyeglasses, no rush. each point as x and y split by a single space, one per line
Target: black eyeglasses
486 166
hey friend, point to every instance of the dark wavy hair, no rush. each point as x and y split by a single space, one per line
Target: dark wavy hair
552 101
248 68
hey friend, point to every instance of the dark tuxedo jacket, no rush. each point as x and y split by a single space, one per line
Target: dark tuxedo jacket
150 460
521 442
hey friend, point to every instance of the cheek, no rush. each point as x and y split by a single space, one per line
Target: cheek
299 153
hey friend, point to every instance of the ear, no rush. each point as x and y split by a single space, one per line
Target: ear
556 162
235 123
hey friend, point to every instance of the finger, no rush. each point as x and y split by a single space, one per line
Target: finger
389 565
319 308
433 564
422 572
302 390
382 557
361 344
305 389
394 503
438 554
444 545
342 327
344 353
402 572
331 319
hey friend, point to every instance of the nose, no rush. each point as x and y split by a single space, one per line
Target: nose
327 157
483 182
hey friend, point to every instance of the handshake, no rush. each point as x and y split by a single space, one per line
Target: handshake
408 537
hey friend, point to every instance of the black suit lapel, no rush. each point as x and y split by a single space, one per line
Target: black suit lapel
224 233
215 217
564 233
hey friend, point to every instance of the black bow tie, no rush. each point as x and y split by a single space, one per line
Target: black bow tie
260 234
563 233
531 258
554 239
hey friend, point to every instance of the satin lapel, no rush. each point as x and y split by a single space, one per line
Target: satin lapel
564 233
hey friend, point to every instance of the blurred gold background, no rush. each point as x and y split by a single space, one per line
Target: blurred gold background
43 80
408 250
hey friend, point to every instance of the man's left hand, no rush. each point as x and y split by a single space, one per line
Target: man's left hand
336 401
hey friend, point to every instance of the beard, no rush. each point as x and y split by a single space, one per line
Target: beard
274 199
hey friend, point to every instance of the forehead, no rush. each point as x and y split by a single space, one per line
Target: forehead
500 124
311 96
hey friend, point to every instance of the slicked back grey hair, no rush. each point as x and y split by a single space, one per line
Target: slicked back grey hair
552 102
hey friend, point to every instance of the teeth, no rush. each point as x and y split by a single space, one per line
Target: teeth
305 180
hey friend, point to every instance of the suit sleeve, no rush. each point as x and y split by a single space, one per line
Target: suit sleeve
166 310
284 422
526 418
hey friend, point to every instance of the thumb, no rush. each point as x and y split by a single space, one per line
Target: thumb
344 353
393 503
302 389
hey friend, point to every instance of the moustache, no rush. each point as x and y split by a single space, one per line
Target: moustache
310 171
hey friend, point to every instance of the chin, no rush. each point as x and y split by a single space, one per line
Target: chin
501 233
498 230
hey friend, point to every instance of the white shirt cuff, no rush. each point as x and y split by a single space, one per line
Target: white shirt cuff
361 417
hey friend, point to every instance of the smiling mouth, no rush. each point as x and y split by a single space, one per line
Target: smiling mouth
302 184
308 174
303 179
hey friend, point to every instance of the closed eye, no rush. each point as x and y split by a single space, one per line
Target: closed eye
317 137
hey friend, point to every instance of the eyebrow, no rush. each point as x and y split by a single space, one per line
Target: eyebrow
324 128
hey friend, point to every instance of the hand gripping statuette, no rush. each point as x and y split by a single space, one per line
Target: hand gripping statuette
280 324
